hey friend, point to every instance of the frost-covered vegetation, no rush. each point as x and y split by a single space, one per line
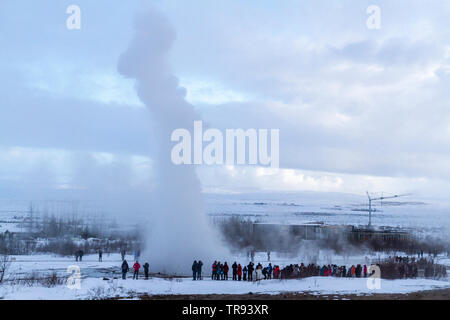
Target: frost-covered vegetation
64 234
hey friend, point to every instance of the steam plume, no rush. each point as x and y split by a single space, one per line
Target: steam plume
179 231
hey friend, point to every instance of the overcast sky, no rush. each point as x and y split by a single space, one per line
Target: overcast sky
357 109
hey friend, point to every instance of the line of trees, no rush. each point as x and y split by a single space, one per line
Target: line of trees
238 233
66 233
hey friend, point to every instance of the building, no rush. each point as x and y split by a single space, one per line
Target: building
281 237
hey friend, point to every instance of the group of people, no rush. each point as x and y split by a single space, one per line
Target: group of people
79 255
251 272
391 268
125 267
408 267
197 270
405 259
220 271
313 270
137 254
435 271
136 268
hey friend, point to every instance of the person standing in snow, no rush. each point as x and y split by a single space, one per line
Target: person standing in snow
125 269
234 267
264 273
194 270
225 271
239 272
245 273
146 267
122 253
219 271
276 272
100 253
258 272
269 271
353 271
199 270
217 276
81 254
136 268
214 270
250 271
358 271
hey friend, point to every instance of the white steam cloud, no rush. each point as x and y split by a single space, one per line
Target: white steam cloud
179 231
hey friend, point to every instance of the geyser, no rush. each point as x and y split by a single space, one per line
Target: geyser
179 232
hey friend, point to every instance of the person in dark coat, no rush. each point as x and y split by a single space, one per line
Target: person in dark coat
194 270
125 269
269 271
225 271
250 269
100 254
358 271
199 270
81 255
244 273
146 267
219 271
234 267
264 272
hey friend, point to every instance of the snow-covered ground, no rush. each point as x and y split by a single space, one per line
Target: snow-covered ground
44 264
266 207
94 287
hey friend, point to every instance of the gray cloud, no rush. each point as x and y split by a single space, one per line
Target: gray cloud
346 99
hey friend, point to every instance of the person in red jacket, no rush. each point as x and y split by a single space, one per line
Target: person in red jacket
239 272
276 271
365 271
214 271
136 268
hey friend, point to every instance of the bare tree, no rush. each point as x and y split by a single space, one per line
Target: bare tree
5 262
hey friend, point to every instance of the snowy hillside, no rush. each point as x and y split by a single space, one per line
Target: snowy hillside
333 208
